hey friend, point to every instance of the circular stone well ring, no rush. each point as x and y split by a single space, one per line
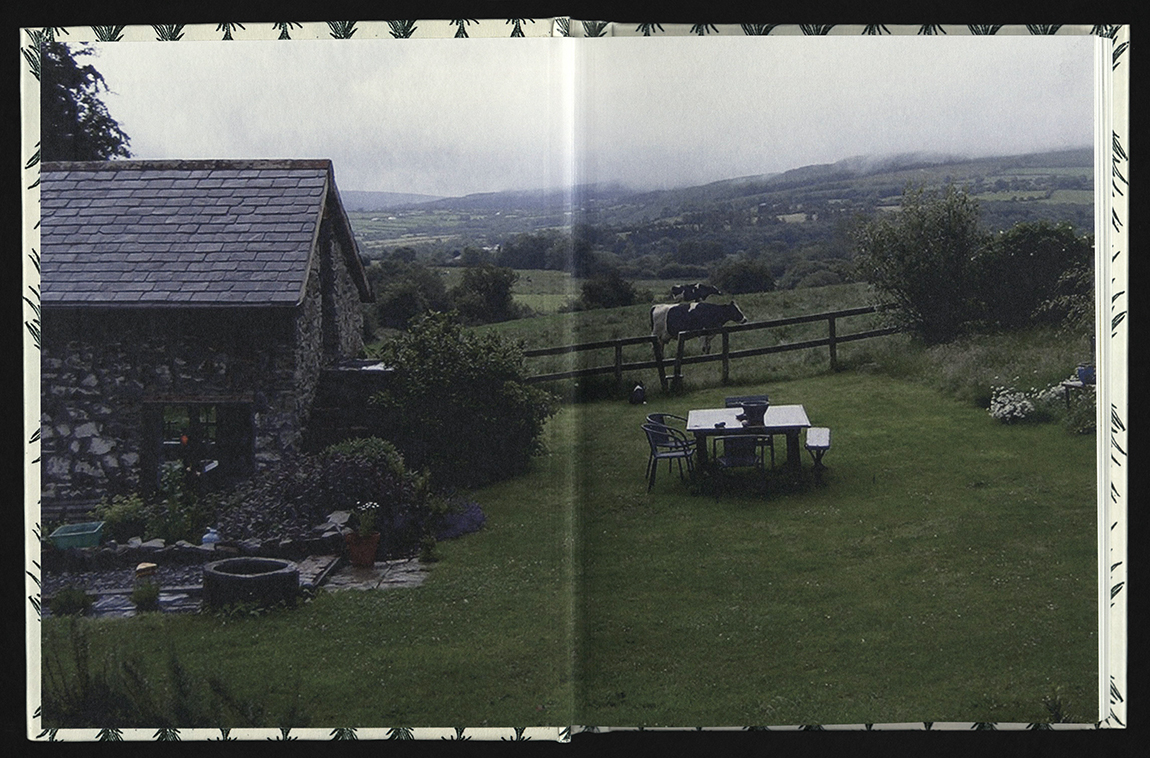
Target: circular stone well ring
261 582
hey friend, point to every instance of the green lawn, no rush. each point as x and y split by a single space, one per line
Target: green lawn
944 570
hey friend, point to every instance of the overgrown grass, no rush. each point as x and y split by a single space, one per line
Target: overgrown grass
942 570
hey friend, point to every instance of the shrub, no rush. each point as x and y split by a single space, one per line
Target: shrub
1022 273
124 516
405 290
70 601
483 295
743 275
175 512
1081 418
607 290
289 500
457 403
146 596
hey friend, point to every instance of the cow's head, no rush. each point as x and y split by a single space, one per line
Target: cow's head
734 314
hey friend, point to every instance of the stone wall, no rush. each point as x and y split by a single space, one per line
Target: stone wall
100 368
343 311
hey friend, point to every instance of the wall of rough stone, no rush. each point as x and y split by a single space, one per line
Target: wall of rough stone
345 308
99 368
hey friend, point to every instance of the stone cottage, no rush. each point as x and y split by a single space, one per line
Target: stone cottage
188 311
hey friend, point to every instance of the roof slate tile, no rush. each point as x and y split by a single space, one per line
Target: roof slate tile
141 232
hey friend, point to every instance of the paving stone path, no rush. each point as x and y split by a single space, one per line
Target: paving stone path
182 586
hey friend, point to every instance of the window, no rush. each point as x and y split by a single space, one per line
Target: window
212 440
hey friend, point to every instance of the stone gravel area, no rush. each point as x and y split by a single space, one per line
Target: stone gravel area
120 579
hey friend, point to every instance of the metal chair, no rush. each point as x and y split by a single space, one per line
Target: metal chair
669 444
742 451
667 419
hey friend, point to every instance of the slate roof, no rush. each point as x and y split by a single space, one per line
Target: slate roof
184 233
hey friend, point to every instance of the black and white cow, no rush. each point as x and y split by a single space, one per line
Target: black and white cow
667 319
696 292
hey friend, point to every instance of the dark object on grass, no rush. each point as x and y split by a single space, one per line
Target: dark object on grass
639 394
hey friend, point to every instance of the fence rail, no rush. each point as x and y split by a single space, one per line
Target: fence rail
726 355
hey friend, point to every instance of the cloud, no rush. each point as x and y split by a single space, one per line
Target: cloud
454 117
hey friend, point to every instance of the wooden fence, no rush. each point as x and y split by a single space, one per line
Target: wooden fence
725 354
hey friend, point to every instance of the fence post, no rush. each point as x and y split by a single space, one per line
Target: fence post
658 348
834 352
726 357
677 381
618 364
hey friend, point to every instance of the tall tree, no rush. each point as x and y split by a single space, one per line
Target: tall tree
74 122
921 259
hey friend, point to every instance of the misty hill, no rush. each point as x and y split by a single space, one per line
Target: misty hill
359 200
810 208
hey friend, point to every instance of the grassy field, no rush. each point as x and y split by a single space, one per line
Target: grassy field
635 321
545 292
942 570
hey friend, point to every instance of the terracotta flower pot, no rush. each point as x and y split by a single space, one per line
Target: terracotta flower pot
361 550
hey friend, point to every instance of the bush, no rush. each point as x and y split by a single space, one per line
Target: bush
1021 273
70 601
175 512
146 596
483 295
921 259
288 501
607 290
405 290
458 404
124 516
1081 418
743 275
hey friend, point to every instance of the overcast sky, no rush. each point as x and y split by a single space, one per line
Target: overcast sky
452 117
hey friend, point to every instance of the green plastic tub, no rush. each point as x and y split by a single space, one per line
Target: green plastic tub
78 535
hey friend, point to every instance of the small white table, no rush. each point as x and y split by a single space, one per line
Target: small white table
788 420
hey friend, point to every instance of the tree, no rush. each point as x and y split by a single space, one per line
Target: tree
742 275
608 290
483 295
921 259
1026 271
405 290
74 122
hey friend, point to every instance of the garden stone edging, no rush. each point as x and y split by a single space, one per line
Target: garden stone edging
112 555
